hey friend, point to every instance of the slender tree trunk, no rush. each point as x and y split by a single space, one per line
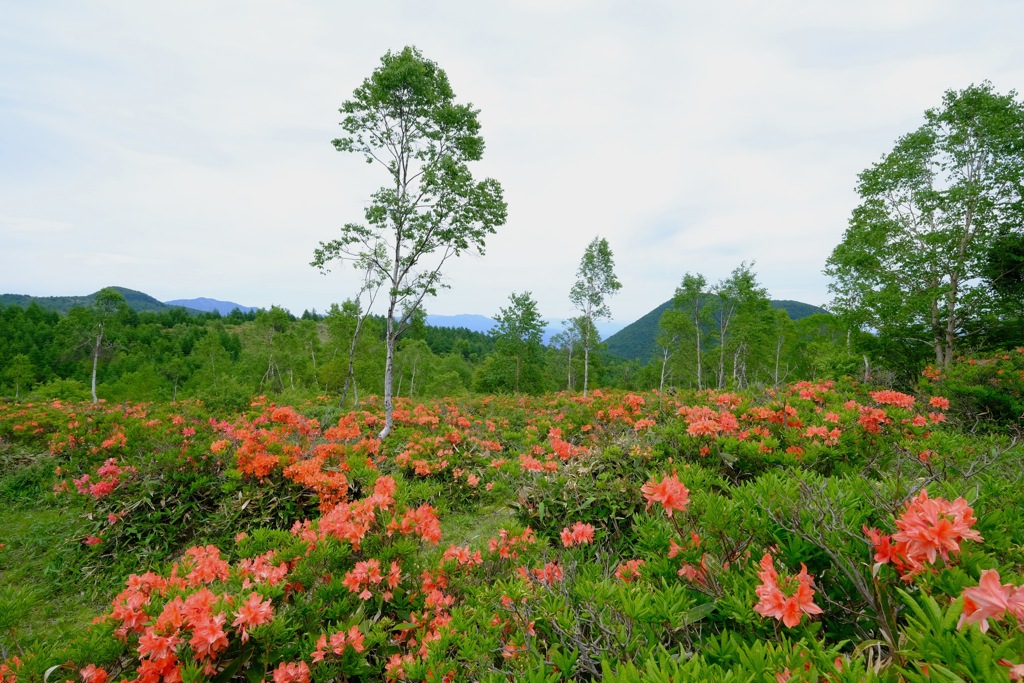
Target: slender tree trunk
721 362
391 338
350 375
937 334
389 369
586 368
661 384
587 341
268 376
95 362
736 364
778 355
951 318
412 378
700 370
312 353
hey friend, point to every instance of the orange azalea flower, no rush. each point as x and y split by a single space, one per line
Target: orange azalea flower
549 574
773 602
929 528
893 398
207 565
338 642
872 419
579 534
628 571
363 575
505 545
670 492
93 674
422 521
154 646
991 600
644 423
253 612
154 669
462 555
933 526
354 637
703 428
286 672
208 637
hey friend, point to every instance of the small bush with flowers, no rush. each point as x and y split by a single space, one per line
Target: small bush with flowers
985 391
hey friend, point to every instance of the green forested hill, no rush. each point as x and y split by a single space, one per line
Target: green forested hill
637 340
137 301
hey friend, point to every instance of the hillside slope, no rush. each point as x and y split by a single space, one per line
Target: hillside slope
637 341
138 301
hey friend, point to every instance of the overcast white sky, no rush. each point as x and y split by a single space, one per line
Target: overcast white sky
183 148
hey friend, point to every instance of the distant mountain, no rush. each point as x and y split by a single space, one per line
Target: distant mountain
605 328
479 323
474 323
637 341
210 305
138 301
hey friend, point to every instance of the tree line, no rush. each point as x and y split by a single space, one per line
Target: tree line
111 351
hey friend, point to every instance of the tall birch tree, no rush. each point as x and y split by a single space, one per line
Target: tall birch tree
595 282
404 118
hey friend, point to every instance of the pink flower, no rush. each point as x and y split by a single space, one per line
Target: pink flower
628 571
774 602
893 398
990 600
92 674
928 529
579 534
253 612
933 527
670 492
286 672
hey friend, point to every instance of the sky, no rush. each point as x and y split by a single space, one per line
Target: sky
183 149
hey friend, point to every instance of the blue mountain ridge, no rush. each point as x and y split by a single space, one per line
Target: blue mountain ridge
210 305
480 323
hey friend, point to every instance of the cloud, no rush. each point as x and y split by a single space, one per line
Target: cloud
32 226
184 149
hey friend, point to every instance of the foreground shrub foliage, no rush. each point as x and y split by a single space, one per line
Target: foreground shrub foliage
813 532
